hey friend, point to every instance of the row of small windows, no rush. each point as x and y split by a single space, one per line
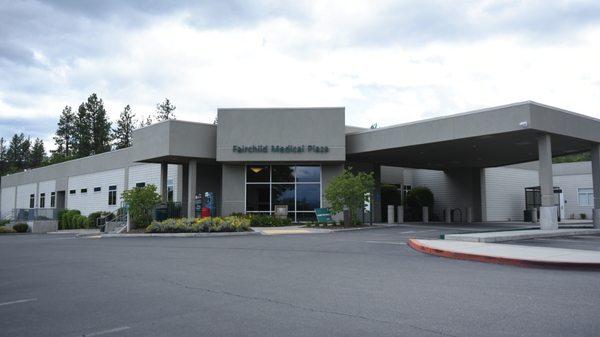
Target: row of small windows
42 200
112 193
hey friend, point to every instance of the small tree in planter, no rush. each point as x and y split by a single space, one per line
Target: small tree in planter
141 201
349 190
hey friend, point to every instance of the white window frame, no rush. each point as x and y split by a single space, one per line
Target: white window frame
589 196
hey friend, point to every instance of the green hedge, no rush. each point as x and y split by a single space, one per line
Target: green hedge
72 219
21 228
207 225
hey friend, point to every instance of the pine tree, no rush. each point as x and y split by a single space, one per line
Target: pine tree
146 122
64 138
165 110
83 132
3 163
125 126
100 125
38 154
17 153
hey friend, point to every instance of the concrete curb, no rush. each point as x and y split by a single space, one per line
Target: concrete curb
176 235
420 247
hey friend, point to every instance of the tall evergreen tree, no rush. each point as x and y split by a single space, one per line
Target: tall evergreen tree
38 154
100 125
3 163
146 122
125 126
65 133
17 153
165 110
83 132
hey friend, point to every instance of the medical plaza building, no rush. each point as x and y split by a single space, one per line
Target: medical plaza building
477 164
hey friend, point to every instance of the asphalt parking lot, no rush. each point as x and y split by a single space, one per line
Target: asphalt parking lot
357 283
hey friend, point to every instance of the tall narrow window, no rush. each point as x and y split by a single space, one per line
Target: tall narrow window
112 195
42 200
53 199
31 200
585 196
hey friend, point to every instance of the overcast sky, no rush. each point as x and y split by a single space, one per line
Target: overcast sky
387 62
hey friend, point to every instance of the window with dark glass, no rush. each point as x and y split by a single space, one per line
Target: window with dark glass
140 185
72 191
31 200
258 174
298 187
97 189
112 195
308 197
42 200
308 174
258 198
283 194
282 173
53 199
83 190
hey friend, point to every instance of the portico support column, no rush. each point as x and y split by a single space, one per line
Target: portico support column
596 183
191 187
548 215
164 167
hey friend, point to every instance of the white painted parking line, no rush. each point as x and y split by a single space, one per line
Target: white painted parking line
19 301
104 332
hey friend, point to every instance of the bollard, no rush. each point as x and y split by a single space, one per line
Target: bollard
425 214
447 215
390 214
469 214
534 218
347 217
400 214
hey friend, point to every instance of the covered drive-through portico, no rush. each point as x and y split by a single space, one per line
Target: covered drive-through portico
464 144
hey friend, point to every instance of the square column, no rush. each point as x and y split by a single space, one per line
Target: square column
548 212
191 187
164 169
596 183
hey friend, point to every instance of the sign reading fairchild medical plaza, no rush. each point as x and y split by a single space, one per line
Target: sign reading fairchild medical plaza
280 148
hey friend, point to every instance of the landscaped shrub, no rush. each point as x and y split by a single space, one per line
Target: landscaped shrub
4 222
141 201
95 215
6 230
21 228
583 216
215 224
268 221
72 219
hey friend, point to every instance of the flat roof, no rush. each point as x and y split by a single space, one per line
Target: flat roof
488 137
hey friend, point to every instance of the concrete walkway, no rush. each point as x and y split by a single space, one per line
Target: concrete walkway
525 256
511 235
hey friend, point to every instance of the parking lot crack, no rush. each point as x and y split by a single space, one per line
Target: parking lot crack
304 308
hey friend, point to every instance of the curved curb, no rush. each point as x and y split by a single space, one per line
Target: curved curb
420 247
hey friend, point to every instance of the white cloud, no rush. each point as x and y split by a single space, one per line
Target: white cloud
324 57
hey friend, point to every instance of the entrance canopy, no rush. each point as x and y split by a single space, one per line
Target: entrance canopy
484 138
